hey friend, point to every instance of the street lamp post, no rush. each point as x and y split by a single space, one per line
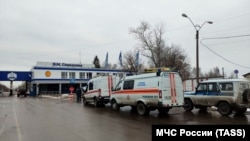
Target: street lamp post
197 29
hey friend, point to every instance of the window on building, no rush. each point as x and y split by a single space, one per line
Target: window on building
89 75
82 75
72 75
64 75
100 74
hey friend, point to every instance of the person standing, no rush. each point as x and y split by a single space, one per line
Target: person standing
78 95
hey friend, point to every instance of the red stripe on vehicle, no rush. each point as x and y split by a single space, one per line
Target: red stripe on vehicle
109 84
171 86
174 94
99 92
94 91
138 91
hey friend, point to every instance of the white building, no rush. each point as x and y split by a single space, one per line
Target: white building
57 78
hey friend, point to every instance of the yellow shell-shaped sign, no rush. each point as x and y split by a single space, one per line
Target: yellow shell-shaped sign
47 73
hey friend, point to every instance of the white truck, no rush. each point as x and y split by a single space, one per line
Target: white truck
98 90
149 91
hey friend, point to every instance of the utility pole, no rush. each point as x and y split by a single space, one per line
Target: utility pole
197 29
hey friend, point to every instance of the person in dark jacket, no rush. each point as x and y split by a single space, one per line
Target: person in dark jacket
78 95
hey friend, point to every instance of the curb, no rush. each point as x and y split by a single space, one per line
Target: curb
64 96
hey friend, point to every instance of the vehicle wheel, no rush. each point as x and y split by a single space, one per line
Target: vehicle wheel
84 101
246 95
142 110
224 108
114 105
96 104
163 111
188 106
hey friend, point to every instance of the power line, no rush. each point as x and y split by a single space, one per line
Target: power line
222 20
225 37
229 42
233 17
232 30
225 58
228 37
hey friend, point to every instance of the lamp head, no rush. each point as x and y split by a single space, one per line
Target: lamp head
184 15
210 22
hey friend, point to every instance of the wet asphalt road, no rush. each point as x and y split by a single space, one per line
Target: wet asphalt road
62 119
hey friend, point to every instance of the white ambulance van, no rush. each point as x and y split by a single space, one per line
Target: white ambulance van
98 90
149 91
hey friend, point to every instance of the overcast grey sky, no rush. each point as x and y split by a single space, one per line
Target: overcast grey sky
74 31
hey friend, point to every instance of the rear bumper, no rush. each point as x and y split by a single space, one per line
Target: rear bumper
104 99
160 104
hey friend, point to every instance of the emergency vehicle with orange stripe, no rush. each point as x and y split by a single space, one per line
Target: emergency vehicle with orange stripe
149 91
98 90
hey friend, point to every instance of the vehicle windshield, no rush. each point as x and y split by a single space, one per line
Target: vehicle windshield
118 87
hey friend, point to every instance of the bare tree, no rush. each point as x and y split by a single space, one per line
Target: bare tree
193 73
152 46
213 73
175 58
151 42
129 62
232 75
3 87
114 66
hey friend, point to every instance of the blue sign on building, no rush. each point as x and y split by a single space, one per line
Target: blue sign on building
15 76
72 81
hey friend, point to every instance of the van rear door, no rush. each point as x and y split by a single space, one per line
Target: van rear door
172 89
